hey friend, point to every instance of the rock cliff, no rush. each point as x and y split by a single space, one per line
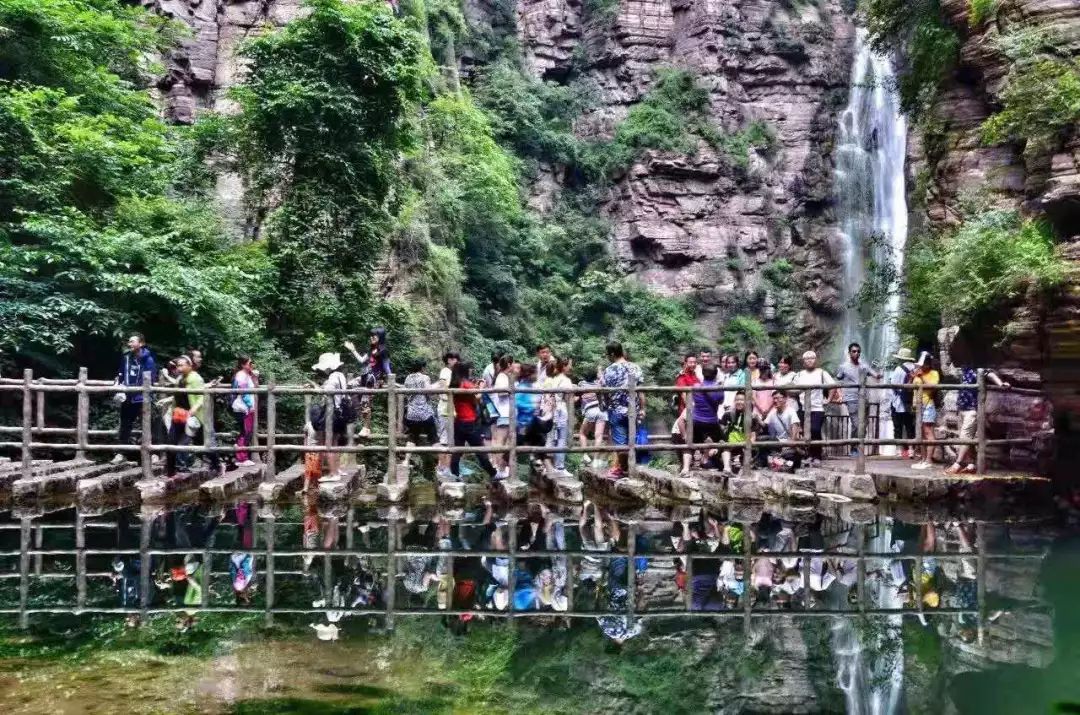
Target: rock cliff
1043 348
697 226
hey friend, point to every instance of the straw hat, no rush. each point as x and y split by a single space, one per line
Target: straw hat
327 362
904 355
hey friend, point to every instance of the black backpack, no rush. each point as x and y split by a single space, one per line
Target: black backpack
907 397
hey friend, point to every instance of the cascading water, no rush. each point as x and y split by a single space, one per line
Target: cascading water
872 206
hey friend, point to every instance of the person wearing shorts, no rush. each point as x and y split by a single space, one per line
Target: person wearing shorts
445 413
593 417
927 376
967 401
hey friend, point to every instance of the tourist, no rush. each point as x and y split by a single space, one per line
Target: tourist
704 359
853 370
686 378
133 364
903 417
782 423
376 368
763 399
705 408
505 374
242 575
419 413
445 418
189 418
593 419
814 380
752 363
731 376
467 420
784 378
243 407
619 374
559 379
489 414
928 377
336 408
544 357
733 427
967 401
487 377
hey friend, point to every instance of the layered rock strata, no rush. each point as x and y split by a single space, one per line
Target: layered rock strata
704 227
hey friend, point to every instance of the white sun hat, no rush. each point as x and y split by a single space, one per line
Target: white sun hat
327 362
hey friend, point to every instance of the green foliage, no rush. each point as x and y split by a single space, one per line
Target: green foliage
322 124
994 259
601 14
96 234
979 11
742 333
1041 97
532 116
931 46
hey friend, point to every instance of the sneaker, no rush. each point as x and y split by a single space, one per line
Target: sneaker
117 459
365 432
155 459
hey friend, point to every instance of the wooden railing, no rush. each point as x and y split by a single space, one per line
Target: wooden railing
267 442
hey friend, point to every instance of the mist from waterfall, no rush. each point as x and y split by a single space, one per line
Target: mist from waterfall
870 195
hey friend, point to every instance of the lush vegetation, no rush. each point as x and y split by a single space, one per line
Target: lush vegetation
994 259
930 45
103 219
1041 97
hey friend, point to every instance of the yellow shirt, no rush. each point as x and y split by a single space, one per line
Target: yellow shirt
932 377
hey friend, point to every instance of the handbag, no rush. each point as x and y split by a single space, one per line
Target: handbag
641 438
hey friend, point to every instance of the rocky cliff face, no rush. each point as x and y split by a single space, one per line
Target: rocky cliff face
696 226
1044 344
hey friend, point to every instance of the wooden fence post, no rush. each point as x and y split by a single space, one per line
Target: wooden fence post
39 417
270 523
808 417
511 465
860 427
391 430
82 415
688 427
208 425
147 418
27 423
748 424
270 462
916 404
980 424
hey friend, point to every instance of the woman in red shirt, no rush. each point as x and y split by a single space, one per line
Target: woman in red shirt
466 420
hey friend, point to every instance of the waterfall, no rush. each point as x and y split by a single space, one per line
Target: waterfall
872 206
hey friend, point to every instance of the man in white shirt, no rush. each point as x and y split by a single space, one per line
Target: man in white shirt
783 425
812 376
543 359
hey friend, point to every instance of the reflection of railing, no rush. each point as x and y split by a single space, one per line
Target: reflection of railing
33 392
31 550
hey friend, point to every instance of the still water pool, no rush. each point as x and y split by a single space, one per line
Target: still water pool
313 608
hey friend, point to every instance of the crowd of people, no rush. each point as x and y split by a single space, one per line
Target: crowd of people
786 400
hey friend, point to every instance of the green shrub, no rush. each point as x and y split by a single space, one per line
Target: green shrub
742 333
980 10
1041 97
931 46
994 259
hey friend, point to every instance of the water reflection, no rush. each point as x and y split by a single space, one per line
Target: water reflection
819 611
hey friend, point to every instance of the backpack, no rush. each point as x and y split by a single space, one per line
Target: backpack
317 415
907 397
349 409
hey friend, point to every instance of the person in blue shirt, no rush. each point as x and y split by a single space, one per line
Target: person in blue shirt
137 360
